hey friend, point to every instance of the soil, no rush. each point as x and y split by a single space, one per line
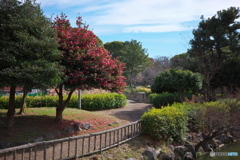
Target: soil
130 113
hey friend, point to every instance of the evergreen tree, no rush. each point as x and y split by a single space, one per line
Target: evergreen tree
28 49
216 39
132 54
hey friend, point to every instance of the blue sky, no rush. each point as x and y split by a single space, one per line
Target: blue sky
162 26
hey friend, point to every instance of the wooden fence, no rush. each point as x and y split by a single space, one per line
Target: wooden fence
73 147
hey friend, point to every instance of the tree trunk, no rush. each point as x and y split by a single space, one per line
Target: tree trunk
61 105
23 103
11 109
181 96
208 138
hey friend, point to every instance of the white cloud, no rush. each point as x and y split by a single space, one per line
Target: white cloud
132 12
156 28
143 15
62 3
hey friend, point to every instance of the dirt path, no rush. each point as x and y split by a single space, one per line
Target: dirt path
130 113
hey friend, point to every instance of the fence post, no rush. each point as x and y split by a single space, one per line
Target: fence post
69 139
45 152
53 157
76 148
101 143
89 143
83 145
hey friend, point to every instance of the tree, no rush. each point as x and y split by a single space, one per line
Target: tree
28 49
132 54
182 61
228 75
156 66
87 64
216 39
174 80
115 48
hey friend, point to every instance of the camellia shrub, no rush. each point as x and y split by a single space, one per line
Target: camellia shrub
89 102
169 122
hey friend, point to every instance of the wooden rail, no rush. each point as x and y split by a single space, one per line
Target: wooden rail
73 147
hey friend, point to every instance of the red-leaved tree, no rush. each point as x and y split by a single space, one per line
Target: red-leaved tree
87 64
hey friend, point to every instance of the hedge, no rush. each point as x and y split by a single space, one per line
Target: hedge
99 101
166 99
89 102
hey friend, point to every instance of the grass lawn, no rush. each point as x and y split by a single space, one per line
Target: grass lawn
40 121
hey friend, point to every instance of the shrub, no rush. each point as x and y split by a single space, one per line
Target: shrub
89 102
175 80
138 89
42 101
4 100
164 99
190 110
143 89
169 122
103 101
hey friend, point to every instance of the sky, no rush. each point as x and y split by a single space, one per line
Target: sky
164 27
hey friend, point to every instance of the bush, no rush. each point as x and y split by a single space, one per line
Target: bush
89 102
4 102
138 89
169 122
42 101
143 89
103 101
164 99
175 80
190 110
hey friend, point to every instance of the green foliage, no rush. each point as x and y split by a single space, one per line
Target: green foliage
189 109
132 54
89 102
143 89
103 101
228 75
164 99
28 46
181 61
169 122
114 48
138 89
215 41
175 80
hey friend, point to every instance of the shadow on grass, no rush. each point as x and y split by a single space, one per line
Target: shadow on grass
26 128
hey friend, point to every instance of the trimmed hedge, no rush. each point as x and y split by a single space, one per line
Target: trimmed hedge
167 123
99 101
164 99
89 102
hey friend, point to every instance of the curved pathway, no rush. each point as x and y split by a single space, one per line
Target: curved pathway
130 113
